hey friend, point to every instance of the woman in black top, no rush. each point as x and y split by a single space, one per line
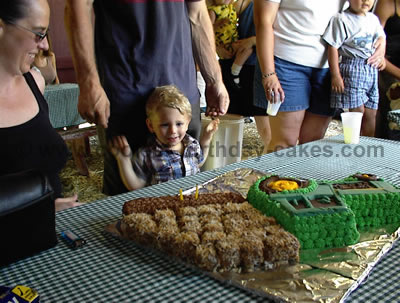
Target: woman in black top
388 12
28 141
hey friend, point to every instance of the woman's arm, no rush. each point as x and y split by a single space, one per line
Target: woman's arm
384 9
392 69
241 5
212 15
38 79
264 16
378 57
68 202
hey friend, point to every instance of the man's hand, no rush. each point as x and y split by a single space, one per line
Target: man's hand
217 99
204 52
94 105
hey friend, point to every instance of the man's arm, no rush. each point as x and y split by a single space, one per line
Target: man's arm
93 104
205 56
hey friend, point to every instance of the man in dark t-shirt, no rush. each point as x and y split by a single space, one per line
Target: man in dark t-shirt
138 45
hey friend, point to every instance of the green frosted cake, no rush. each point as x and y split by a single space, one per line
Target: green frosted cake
373 201
327 214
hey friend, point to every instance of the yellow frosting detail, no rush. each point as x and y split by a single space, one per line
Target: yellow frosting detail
281 185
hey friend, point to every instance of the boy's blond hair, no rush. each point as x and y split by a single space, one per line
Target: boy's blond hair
168 96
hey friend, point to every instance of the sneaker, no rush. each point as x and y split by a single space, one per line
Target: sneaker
234 83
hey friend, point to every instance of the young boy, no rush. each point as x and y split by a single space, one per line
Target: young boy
353 35
171 153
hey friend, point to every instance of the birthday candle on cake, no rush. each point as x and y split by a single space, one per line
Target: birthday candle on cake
181 194
196 195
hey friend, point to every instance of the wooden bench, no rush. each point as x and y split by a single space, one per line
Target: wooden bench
78 139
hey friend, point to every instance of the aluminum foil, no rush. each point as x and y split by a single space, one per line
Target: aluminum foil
327 275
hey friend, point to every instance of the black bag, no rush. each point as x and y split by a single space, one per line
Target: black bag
27 215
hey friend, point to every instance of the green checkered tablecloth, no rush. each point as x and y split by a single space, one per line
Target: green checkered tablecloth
63 104
107 269
394 117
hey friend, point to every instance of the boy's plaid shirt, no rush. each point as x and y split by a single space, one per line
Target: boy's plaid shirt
156 164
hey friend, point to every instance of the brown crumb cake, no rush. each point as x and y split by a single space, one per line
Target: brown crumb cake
215 232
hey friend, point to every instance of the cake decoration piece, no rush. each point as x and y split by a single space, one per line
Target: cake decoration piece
273 184
365 177
281 185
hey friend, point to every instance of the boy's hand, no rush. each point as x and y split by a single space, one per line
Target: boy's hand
212 127
206 137
337 84
120 148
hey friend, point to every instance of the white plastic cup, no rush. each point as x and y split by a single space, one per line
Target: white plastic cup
351 122
273 108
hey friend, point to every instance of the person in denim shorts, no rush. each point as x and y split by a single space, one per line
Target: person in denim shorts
293 65
352 35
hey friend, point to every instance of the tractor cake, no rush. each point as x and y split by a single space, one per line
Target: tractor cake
323 214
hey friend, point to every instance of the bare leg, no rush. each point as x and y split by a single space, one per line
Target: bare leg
241 57
359 109
314 127
285 129
368 122
264 131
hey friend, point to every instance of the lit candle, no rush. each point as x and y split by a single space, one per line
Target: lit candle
181 194
196 195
